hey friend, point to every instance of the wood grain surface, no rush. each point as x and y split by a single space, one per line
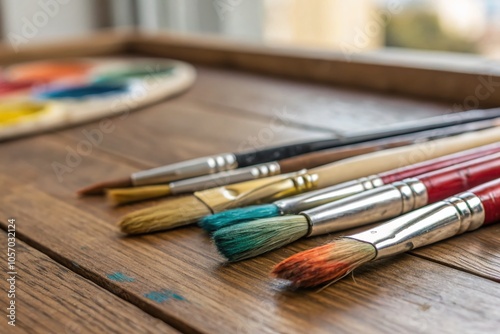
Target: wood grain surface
339 110
49 298
178 277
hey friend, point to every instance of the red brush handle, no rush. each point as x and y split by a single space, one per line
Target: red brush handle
455 179
489 193
435 164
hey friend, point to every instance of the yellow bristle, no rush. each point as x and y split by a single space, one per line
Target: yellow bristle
173 213
129 195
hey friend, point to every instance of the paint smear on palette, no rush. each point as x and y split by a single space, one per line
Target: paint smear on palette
7 87
163 296
120 277
47 71
16 112
82 91
137 71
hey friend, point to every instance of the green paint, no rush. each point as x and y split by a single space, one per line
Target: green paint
163 295
247 240
212 223
120 277
135 72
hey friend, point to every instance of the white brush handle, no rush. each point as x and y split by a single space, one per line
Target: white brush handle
376 162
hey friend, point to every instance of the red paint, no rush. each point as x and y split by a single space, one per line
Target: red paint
489 193
458 178
435 164
8 87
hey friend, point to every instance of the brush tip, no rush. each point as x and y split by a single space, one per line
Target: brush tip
236 216
120 196
247 240
100 187
324 264
164 216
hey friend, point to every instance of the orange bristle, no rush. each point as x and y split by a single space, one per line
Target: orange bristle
324 264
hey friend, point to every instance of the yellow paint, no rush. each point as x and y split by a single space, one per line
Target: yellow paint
17 112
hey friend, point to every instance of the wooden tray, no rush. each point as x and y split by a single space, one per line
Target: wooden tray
77 274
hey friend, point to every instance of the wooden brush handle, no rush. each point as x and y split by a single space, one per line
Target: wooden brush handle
377 162
458 178
438 163
489 193
315 159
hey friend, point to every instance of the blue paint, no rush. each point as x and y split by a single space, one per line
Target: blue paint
212 223
83 91
163 295
120 277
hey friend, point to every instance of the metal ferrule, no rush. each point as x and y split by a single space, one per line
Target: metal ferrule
367 207
185 169
319 197
297 184
257 191
224 178
422 227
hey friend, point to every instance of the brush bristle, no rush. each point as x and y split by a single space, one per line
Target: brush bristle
323 264
173 213
99 188
130 195
253 238
236 216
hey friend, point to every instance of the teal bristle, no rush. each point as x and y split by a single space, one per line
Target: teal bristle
246 240
227 218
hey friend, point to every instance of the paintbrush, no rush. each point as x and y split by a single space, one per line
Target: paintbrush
229 161
455 215
246 240
118 196
189 209
311 199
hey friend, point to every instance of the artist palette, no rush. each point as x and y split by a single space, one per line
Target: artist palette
46 95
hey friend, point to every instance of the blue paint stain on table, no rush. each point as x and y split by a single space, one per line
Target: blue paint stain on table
163 296
120 277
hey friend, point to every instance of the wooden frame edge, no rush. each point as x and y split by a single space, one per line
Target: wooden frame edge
466 87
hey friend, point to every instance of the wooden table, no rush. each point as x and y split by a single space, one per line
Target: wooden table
77 274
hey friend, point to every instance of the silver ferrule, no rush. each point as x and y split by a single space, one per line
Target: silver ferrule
224 178
367 207
185 169
425 226
319 197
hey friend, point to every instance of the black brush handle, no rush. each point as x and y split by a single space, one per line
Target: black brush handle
291 150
